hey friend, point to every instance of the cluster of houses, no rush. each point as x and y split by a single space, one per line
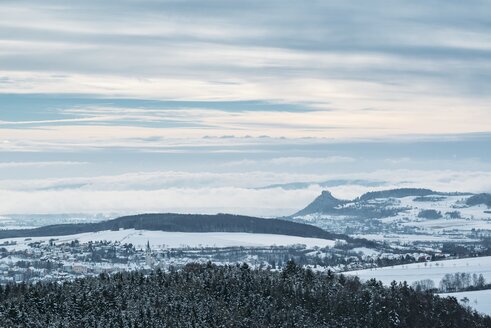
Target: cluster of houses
48 260
28 260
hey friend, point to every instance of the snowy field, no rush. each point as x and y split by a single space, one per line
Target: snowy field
429 270
472 217
479 300
158 239
410 238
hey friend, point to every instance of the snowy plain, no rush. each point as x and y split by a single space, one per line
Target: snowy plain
161 239
480 300
427 270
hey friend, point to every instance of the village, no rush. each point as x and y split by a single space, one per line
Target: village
41 261
51 260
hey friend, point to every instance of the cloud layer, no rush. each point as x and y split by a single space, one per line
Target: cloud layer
203 192
393 68
245 107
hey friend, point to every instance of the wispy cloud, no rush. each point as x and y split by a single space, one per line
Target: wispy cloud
8 165
291 161
394 60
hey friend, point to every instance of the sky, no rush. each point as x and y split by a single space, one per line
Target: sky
249 107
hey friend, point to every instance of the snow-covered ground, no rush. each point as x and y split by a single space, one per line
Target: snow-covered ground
428 270
479 300
409 238
453 219
139 239
471 217
366 251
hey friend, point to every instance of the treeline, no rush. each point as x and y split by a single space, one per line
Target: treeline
396 193
462 281
430 214
453 282
479 199
405 192
229 296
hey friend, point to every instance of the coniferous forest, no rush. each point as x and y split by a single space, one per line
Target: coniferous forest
229 296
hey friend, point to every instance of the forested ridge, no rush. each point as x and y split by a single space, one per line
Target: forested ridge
229 296
180 223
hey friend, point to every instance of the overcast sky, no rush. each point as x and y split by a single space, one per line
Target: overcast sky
219 106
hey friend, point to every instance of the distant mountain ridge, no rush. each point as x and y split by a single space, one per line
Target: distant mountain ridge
326 203
405 192
181 223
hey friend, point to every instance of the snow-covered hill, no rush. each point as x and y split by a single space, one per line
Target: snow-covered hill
415 212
